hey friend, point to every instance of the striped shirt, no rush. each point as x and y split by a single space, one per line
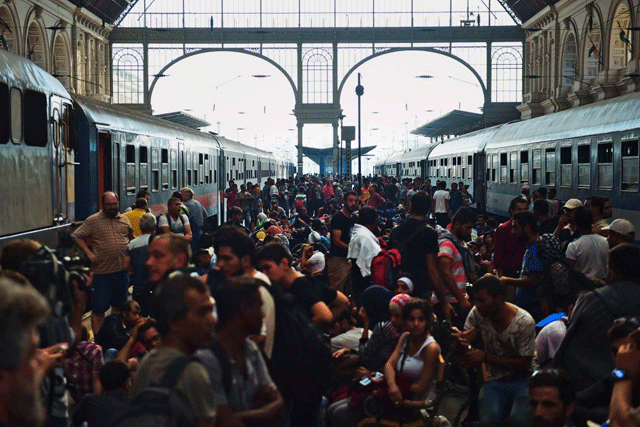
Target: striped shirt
449 250
379 347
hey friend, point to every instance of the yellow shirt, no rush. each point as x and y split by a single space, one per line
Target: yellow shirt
134 216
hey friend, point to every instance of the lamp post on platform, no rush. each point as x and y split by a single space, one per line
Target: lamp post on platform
359 92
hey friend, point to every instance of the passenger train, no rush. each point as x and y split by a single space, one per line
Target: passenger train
583 151
60 152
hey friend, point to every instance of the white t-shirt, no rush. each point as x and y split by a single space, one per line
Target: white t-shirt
440 197
177 226
269 309
591 254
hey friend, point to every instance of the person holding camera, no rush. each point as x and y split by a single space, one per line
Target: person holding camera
23 366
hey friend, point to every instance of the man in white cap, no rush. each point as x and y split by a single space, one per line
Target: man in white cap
566 230
620 231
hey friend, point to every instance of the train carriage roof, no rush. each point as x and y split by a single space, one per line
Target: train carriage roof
611 115
123 119
471 142
31 76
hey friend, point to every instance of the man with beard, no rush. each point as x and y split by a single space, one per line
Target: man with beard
236 254
109 233
508 334
551 398
525 228
338 266
22 365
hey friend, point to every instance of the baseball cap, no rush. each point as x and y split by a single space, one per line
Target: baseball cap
572 204
621 226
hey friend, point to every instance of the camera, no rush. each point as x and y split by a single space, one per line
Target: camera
53 277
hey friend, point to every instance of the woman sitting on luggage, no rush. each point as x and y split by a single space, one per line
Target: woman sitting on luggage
416 355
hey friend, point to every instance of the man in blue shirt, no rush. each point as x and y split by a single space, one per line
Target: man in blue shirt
525 227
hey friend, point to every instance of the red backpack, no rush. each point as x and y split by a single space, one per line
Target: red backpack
385 268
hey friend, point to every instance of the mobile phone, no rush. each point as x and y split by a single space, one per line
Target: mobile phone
365 381
377 376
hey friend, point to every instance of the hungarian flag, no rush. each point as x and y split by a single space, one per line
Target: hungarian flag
32 50
624 38
593 50
3 41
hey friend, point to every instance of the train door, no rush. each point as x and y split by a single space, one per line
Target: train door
58 163
480 187
109 164
423 170
181 165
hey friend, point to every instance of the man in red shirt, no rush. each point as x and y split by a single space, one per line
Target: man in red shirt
509 250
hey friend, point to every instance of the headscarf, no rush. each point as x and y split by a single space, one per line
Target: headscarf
401 299
375 301
407 282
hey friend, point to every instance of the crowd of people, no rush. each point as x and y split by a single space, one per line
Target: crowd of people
318 293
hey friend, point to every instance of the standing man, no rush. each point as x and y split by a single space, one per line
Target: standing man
589 253
138 252
508 334
455 198
509 250
457 266
418 246
184 312
236 252
525 228
134 215
338 266
110 233
442 206
198 215
174 221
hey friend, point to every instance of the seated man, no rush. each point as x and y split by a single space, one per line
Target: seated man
243 389
97 409
143 338
551 398
116 328
508 334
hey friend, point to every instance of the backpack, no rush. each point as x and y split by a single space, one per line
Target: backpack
159 404
300 363
385 268
166 215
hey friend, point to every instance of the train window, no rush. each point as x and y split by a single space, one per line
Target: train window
165 169
584 166
503 168
131 169
550 166
174 169
155 169
524 166
16 115
565 167
513 167
536 164
605 165
35 115
494 169
629 166
234 162
189 167
201 168
144 168
195 169
5 119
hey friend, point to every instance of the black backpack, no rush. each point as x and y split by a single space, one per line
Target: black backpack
159 404
300 363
